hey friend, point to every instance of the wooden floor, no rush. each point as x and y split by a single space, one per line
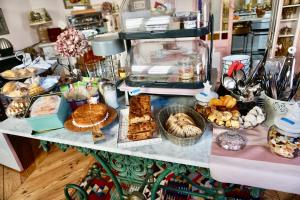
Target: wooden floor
46 178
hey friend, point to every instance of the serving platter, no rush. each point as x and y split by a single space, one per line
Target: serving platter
38 72
258 115
46 85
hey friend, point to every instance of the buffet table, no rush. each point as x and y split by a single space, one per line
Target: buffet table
133 162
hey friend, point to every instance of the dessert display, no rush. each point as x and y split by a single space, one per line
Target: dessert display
45 105
15 89
91 117
182 125
17 108
283 145
227 112
254 117
22 73
231 141
31 87
141 124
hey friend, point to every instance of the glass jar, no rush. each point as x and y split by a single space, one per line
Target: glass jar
190 22
186 70
110 95
283 144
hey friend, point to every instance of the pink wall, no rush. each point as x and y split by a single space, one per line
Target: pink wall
298 55
21 35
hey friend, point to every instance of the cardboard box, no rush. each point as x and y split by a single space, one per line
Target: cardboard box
51 121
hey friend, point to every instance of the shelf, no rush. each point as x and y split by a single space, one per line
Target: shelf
166 34
290 35
288 6
288 20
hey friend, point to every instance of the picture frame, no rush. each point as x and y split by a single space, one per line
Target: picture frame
3 26
69 4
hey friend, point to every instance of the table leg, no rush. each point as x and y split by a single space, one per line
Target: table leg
134 170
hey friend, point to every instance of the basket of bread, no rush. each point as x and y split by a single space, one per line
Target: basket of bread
181 124
19 74
31 87
227 112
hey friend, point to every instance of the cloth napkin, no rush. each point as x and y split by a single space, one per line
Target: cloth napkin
255 165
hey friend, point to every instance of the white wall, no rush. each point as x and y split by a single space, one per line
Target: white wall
20 33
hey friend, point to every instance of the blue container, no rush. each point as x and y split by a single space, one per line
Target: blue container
52 121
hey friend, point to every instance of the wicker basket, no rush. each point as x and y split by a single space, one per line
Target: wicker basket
164 114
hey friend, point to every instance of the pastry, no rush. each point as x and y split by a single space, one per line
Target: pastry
254 117
140 109
191 130
9 87
226 111
36 90
17 108
182 125
140 136
141 124
282 145
19 92
31 70
9 74
141 127
23 72
89 115
215 102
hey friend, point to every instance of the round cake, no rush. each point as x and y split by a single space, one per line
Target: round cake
90 115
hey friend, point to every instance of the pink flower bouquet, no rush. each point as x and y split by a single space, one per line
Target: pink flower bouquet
71 43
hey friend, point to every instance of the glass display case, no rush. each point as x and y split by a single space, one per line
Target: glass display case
167 63
148 16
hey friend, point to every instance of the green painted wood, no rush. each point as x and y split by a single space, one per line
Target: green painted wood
110 173
81 193
131 169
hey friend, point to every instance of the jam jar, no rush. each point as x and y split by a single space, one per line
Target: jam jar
186 70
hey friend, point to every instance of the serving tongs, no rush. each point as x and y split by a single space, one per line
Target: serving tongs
259 71
285 80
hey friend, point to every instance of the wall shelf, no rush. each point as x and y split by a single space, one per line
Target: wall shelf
288 6
165 34
289 35
288 20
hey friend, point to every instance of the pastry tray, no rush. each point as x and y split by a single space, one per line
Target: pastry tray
162 82
124 142
38 72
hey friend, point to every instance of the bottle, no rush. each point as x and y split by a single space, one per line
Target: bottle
110 95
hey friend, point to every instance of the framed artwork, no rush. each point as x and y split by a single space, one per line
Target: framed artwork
3 26
71 3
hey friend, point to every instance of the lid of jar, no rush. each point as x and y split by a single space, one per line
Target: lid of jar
206 94
289 124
